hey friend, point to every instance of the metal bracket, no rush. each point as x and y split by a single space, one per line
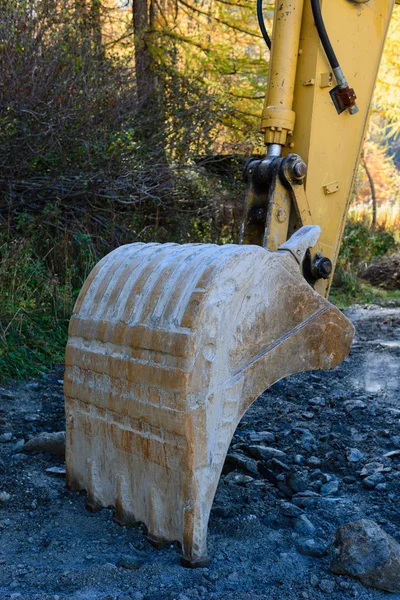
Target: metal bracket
343 98
276 201
278 214
301 241
293 172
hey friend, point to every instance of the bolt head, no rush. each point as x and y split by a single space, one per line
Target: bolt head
281 215
321 267
324 267
300 169
261 214
353 110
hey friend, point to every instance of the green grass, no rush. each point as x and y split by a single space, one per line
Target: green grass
27 350
363 293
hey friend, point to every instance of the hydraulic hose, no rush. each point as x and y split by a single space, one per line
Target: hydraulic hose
261 23
323 34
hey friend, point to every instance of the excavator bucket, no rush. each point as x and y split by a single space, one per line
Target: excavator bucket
170 344
168 347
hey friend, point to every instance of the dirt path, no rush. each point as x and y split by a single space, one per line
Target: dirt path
328 425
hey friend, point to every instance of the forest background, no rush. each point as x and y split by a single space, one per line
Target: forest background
130 121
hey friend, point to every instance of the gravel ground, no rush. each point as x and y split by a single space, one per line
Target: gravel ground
327 427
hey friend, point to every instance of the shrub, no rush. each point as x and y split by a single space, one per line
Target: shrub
361 245
34 308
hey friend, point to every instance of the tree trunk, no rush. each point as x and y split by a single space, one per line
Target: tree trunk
150 93
373 192
95 21
80 10
144 62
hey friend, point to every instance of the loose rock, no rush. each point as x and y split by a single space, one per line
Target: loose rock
265 452
299 459
274 463
261 436
238 478
354 455
57 471
372 481
392 454
290 510
31 418
349 479
4 497
382 487
353 404
363 550
327 586
239 461
304 526
47 442
314 461
18 446
297 481
312 547
306 499
317 402
308 415
330 488
371 468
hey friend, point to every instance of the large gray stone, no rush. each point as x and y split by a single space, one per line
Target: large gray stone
364 551
47 442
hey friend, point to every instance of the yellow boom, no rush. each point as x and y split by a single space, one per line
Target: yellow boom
299 116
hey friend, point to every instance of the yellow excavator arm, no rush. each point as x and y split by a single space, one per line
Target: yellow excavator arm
325 56
170 344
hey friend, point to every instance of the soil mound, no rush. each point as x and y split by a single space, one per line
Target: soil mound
384 272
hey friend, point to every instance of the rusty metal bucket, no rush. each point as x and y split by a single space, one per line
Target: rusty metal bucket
168 347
